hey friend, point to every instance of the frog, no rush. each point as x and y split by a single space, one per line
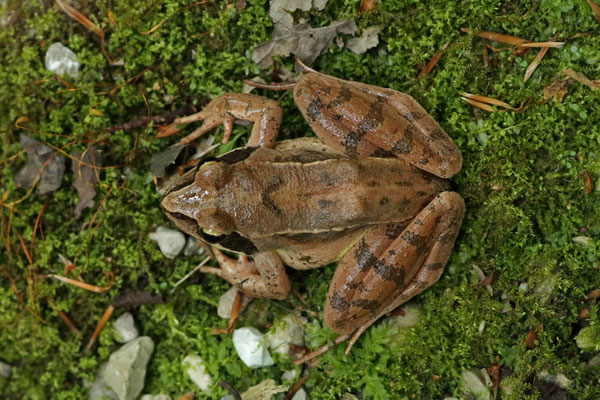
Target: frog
370 192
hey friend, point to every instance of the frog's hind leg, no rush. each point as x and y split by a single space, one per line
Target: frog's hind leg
414 260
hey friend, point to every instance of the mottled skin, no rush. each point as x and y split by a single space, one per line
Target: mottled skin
370 194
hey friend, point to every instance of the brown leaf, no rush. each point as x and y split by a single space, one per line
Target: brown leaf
44 167
594 294
302 40
595 9
498 37
581 78
494 372
484 99
535 63
486 281
531 341
367 5
86 177
542 44
588 183
557 88
432 63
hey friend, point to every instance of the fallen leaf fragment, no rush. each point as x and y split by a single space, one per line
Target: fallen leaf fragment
302 40
542 44
557 88
595 9
536 61
531 340
494 373
160 161
588 183
367 5
280 11
594 294
498 37
581 78
432 63
86 177
44 167
101 324
483 101
92 288
368 39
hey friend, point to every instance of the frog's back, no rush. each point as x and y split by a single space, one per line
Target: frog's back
303 186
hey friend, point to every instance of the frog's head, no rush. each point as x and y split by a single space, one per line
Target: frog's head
192 202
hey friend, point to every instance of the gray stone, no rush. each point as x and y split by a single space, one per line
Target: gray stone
290 332
473 383
5 370
251 347
125 330
98 390
300 395
170 241
126 368
155 397
226 302
61 60
559 380
595 361
194 367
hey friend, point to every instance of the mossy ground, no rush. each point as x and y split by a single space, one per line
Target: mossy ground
521 233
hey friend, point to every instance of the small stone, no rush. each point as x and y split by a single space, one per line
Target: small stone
126 368
290 333
289 375
523 287
410 318
251 347
582 240
61 60
98 390
227 397
125 330
300 395
196 370
226 302
559 380
170 241
191 248
595 361
5 370
473 383
155 397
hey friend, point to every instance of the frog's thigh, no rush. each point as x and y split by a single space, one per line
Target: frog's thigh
369 283
264 277
414 136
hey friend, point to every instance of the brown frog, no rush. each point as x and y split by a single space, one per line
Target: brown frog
370 192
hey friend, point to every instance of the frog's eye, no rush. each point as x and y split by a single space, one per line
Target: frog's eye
212 236
205 162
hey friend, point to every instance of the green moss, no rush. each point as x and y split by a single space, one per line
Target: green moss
521 231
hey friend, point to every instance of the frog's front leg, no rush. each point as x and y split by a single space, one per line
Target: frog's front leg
264 277
225 109
380 273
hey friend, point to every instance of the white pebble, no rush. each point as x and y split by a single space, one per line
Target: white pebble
523 287
300 395
125 329
170 241
61 60
5 370
251 347
155 397
194 367
226 302
291 332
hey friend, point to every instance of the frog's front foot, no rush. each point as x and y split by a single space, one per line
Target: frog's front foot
225 109
264 277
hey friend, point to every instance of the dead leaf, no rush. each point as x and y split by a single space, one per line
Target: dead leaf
367 5
581 78
588 183
557 88
86 177
494 373
44 166
594 294
531 68
531 340
368 39
432 63
497 37
280 11
302 40
542 44
160 161
595 9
